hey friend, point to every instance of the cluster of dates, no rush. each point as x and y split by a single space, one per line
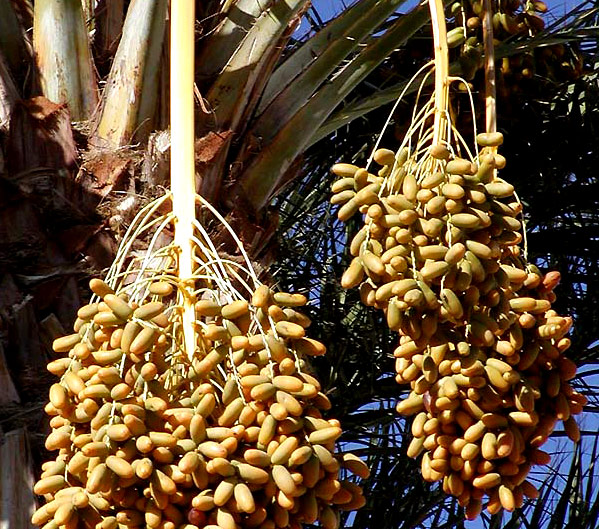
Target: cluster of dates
231 436
480 345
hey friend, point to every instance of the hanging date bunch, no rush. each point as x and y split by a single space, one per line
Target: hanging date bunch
232 435
184 396
441 253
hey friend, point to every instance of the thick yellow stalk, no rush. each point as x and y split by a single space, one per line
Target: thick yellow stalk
182 153
441 68
490 88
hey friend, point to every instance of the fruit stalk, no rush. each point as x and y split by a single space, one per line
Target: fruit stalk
182 154
441 68
490 87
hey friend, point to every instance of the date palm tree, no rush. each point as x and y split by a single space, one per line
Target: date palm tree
280 97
